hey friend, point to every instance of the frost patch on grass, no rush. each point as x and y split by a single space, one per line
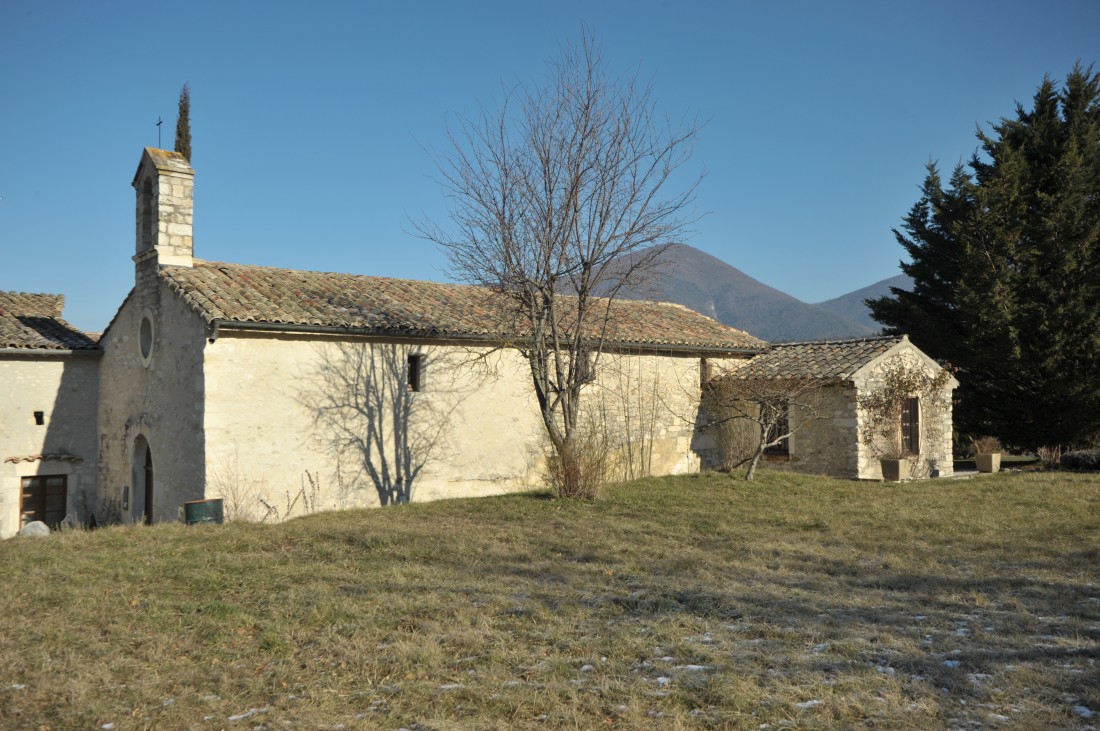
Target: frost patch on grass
809 704
1084 711
249 713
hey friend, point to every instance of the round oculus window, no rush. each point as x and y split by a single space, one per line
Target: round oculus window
145 337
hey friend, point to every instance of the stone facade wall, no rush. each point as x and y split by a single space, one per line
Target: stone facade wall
829 444
65 390
156 400
473 430
649 407
935 417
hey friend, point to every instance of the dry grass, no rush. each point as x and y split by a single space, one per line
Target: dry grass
695 602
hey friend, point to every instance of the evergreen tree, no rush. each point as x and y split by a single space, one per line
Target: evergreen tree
1005 262
183 123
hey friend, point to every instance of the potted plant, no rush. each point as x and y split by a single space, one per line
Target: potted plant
987 453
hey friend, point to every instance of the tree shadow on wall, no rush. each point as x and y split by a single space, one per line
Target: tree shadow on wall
383 407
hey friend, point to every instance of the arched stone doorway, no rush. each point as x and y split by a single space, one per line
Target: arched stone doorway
142 473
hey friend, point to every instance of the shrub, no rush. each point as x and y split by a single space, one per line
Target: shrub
1082 459
581 468
1051 455
985 445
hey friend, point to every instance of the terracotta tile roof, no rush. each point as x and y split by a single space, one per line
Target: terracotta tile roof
33 322
827 359
236 293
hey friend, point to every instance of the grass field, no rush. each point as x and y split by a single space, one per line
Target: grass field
690 602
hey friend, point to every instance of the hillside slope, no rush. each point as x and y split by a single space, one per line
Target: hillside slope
850 306
707 284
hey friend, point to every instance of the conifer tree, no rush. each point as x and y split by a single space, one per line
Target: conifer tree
1005 262
183 123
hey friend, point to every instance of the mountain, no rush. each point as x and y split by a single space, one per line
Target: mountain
706 284
851 307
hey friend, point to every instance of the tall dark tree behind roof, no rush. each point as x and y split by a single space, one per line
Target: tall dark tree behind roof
1005 262
183 123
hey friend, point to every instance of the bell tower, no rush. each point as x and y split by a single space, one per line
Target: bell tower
164 183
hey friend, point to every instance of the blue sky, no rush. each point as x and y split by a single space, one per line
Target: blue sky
311 122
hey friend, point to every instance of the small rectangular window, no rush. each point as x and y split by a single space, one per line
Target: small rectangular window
781 426
39 418
416 372
45 498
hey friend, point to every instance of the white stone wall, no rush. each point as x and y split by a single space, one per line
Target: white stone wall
648 405
65 389
280 413
935 417
159 398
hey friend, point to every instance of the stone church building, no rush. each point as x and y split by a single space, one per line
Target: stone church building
285 391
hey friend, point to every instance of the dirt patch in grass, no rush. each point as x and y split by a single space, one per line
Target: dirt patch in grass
692 602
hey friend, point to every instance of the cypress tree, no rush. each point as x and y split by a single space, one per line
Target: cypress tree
183 123
1005 262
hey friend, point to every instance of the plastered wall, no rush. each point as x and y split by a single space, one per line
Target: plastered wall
297 421
65 390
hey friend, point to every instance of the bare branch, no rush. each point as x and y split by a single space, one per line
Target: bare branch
776 408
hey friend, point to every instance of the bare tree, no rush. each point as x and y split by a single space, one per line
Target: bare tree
773 410
559 202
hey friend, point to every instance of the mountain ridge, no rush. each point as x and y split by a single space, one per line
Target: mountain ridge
703 282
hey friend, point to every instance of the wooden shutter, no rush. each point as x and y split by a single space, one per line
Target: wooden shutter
45 498
910 425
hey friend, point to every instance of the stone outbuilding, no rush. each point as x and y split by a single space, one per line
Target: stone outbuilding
49 381
832 442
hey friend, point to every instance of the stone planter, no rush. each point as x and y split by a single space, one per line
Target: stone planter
894 470
988 462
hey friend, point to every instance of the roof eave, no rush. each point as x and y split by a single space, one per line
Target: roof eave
93 352
220 324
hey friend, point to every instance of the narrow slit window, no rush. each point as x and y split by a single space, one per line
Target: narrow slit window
416 372
704 372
